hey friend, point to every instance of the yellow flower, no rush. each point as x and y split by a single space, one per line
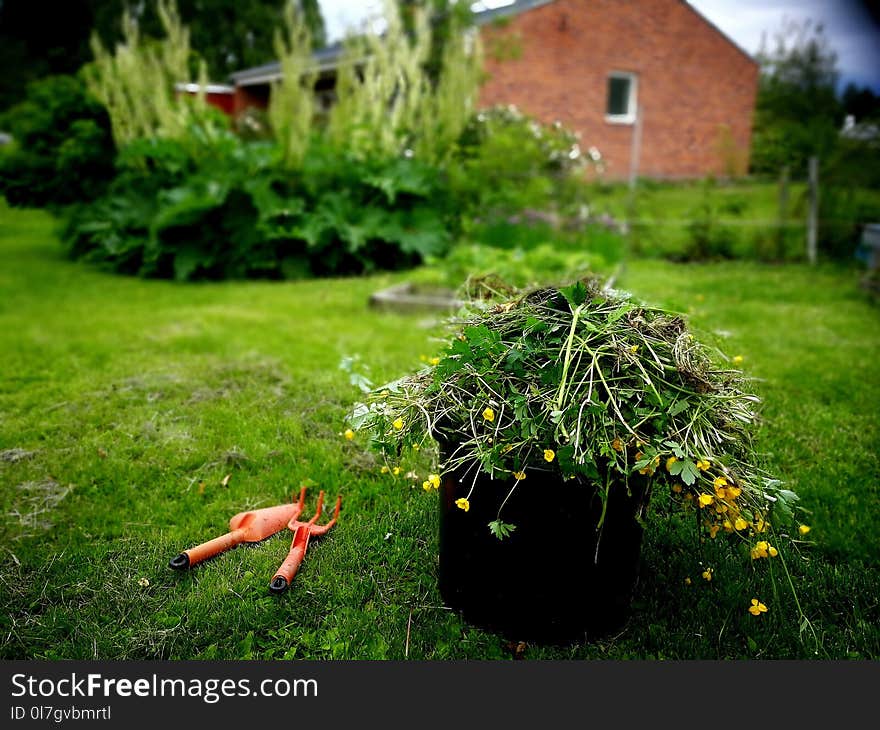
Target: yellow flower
757 608
740 524
727 525
760 525
804 529
435 480
416 447
435 361
463 504
763 549
687 581
398 423
737 359
634 349
144 582
714 531
519 475
669 462
549 454
384 470
395 470
705 500
719 482
703 465
489 414
349 434
676 488
733 492
617 444
426 485
707 574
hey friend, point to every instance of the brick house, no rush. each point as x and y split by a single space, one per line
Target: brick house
656 87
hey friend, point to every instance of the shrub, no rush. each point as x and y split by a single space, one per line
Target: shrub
509 162
63 151
235 212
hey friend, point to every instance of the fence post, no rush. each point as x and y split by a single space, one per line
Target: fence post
781 232
813 214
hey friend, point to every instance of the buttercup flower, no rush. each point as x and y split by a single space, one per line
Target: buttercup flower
804 529
617 444
435 480
435 361
489 414
737 359
519 475
703 465
426 485
707 574
705 500
398 423
463 504
740 524
349 434
669 462
757 608
144 582
549 454
384 470
395 470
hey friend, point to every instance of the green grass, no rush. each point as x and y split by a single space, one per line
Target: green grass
125 403
739 219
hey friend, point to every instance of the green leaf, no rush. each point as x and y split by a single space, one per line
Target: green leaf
576 294
687 471
501 529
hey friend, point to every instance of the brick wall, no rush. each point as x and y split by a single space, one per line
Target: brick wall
693 84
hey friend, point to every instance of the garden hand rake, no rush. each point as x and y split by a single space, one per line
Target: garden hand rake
302 533
257 525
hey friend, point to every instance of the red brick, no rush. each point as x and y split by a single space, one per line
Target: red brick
692 80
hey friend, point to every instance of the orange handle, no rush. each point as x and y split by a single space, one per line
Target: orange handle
284 575
214 547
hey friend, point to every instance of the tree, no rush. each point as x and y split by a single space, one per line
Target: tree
43 37
861 102
797 112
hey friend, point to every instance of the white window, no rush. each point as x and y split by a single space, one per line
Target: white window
621 104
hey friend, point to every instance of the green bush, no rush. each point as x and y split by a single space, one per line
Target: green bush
508 162
62 150
234 212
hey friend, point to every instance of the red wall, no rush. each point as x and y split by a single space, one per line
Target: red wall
692 81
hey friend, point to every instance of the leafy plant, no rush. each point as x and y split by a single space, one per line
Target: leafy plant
62 150
584 383
233 211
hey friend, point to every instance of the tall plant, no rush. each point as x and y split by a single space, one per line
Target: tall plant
292 103
136 82
387 102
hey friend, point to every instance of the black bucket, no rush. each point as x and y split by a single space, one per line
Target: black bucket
556 577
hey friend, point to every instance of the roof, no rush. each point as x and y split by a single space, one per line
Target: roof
328 57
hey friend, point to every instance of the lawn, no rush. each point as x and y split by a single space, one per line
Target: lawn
137 416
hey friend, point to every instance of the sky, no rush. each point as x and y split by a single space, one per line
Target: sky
853 30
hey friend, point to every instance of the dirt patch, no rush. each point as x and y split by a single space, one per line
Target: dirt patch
13 456
32 510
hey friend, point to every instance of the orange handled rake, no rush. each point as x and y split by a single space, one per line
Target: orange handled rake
302 533
256 526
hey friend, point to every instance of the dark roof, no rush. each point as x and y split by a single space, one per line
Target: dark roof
326 58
